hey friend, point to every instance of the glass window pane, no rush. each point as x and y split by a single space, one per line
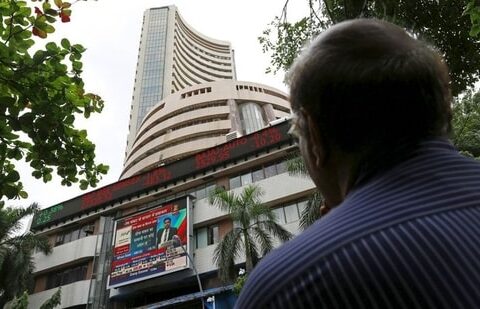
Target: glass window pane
258 175
201 238
291 213
210 188
279 214
301 206
235 182
201 193
68 237
75 235
246 179
213 234
281 167
270 171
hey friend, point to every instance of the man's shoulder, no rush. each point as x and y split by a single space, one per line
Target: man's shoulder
433 184
411 261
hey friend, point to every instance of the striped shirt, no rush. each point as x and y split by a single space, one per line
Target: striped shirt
407 238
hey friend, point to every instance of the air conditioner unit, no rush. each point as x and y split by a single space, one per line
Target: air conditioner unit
277 121
232 135
89 229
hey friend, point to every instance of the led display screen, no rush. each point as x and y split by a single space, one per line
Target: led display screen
151 243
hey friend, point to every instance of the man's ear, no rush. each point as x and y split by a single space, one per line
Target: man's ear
315 142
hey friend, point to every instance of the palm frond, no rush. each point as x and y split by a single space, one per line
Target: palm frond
264 240
251 193
311 213
276 229
11 220
225 253
296 165
252 252
223 199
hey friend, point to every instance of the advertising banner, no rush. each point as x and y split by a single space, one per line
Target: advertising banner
150 244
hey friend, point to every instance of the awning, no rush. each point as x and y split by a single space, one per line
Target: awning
187 297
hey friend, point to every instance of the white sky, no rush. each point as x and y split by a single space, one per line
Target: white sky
110 30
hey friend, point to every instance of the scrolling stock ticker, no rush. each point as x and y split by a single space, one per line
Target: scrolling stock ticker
161 176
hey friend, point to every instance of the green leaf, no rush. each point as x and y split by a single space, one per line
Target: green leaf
51 46
13 176
47 177
475 30
7 100
65 43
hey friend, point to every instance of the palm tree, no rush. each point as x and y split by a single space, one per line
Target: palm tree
315 207
254 226
16 250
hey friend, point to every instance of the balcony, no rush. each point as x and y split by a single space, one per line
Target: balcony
73 294
75 250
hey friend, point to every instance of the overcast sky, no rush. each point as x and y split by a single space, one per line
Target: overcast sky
110 30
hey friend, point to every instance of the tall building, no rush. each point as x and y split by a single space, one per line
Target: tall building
172 56
193 128
200 117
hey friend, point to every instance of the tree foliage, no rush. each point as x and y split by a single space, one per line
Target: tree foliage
22 301
448 25
254 228
41 92
16 263
466 123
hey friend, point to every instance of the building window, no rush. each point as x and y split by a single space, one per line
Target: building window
74 234
235 182
213 234
289 213
279 215
206 236
251 117
66 276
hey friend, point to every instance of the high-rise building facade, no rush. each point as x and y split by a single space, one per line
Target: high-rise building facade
199 117
172 56
193 128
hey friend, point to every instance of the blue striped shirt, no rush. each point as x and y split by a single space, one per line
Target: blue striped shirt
407 238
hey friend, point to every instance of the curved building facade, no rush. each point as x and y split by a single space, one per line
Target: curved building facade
200 117
173 56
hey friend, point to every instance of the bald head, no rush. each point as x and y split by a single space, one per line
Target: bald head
368 84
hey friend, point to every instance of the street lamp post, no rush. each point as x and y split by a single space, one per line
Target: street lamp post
177 240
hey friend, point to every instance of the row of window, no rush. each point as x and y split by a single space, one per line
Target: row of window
67 276
152 87
196 67
179 36
179 112
202 42
196 92
204 190
186 49
74 234
259 173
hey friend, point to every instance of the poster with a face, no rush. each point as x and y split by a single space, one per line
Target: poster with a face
150 244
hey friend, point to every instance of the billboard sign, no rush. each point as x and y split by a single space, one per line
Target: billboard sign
150 243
